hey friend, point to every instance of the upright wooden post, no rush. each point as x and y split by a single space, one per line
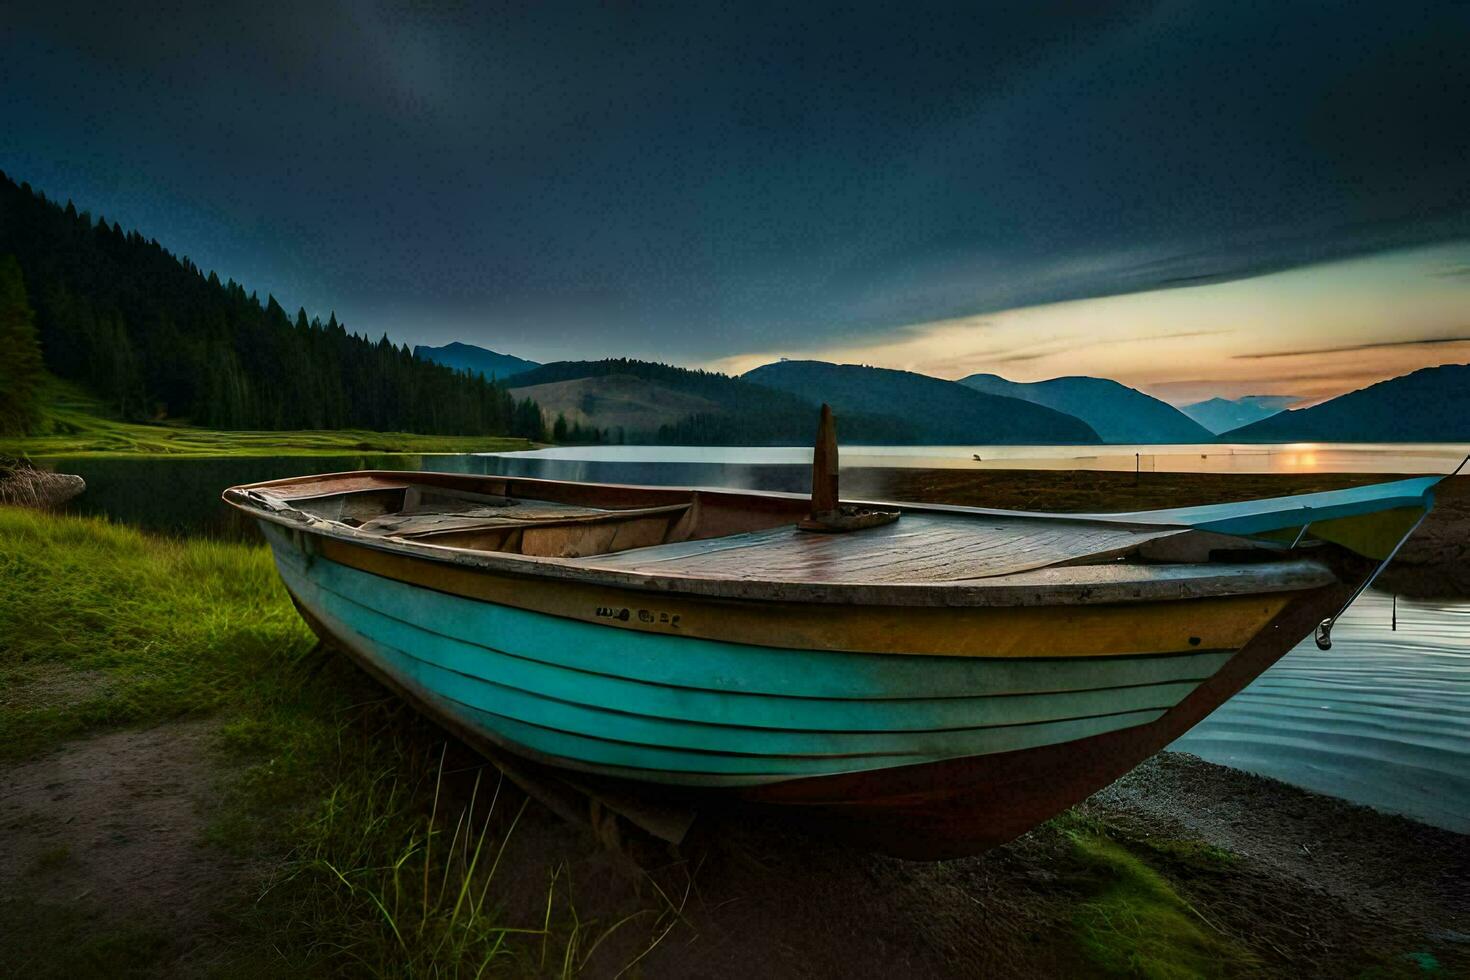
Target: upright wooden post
827 515
824 465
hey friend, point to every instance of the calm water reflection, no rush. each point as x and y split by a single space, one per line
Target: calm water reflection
1383 718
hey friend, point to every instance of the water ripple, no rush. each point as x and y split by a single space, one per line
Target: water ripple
1383 718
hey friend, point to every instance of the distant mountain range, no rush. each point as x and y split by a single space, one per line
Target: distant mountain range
1223 414
1431 405
1118 413
941 412
630 400
468 357
638 401
775 404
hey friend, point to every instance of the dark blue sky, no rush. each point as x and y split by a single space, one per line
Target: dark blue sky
693 182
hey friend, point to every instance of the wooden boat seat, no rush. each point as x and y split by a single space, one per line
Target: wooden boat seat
415 522
536 527
921 548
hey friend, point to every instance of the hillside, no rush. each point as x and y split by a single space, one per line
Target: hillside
942 412
75 423
639 401
1118 413
1223 414
156 337
616 402
1431 405
475 360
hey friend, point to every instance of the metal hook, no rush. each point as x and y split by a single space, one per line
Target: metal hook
1323 633
1299 535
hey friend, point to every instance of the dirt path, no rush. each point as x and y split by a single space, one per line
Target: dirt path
109 831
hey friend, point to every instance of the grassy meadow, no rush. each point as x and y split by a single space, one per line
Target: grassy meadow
76 424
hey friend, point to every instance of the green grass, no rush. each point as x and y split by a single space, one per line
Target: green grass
1192 854
75 424
1139 925
63 941
368 854
1132 920
130 628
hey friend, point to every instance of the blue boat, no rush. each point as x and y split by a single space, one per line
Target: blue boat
930 680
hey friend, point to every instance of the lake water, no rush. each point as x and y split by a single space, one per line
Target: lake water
1317 457
1383 718
182 495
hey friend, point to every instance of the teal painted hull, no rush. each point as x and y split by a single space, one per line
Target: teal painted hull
680 711
933 688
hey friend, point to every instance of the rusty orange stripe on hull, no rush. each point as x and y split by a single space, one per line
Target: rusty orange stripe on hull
1178 626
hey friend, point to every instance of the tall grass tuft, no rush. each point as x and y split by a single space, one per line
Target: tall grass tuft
395 871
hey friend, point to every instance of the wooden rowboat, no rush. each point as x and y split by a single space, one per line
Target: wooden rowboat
931 686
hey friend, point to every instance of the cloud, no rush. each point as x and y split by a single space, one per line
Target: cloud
1058 346
1344 324
714 191
1376 345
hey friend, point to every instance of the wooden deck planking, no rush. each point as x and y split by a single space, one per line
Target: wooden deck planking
919 548
526 514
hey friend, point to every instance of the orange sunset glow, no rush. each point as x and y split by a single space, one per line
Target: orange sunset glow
1312 332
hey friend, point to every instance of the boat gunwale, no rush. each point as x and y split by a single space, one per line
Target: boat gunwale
1077 584
1169 518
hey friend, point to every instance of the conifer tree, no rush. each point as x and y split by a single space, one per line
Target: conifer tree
153 334
20 353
